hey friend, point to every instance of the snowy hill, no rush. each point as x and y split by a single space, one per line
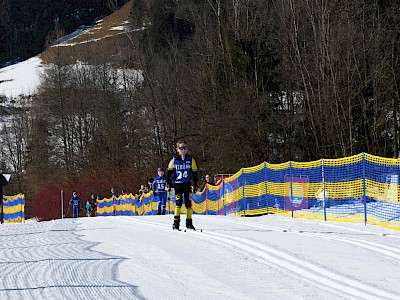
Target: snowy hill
269 257
21 80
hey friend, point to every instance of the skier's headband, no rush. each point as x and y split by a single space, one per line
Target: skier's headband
160 170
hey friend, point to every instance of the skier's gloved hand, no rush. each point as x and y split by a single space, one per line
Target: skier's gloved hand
168 187
195 188
154 194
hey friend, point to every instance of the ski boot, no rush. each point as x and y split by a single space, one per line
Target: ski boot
189 224
158 212
175 226
163 212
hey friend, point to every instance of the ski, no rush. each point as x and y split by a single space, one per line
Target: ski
184 230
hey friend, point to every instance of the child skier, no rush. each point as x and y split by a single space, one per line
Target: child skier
88 208
182 169
158 188
76 204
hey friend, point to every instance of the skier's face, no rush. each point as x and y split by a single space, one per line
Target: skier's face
161 173
182 149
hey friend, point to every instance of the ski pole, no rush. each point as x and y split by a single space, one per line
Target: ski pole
169 201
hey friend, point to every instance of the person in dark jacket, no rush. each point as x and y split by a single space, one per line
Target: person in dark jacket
76 203
3 181
92 208
207 180
142 190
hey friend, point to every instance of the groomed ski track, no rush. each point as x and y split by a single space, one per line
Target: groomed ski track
272 257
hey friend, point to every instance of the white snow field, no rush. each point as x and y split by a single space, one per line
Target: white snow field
141 257
21 78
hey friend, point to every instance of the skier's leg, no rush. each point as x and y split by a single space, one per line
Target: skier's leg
74 211
159 204
163 201
177 216
188 204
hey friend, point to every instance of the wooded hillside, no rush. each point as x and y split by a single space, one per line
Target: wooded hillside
242 81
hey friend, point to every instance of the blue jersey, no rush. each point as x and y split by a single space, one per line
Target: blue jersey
182 168
159 184
75 201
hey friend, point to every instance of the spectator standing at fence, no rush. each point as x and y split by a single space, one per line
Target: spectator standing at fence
88 208
207 180
182 169
141 190
93 205
3 181
91 200
159 190
149 184
76 203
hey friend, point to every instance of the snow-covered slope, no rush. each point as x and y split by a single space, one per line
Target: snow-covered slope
20 79
23 78
269 257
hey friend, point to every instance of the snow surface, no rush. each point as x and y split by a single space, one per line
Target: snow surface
20 79
268 257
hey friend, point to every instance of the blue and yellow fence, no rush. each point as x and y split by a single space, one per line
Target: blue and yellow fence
130 205
14 208
362 187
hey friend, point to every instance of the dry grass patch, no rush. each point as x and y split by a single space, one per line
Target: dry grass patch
108 31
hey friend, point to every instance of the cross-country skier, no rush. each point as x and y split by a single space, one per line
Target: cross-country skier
182 169
76 204
158 187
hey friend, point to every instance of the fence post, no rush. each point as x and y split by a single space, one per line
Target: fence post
266 186
244 197
192 202
364 188
206 198
291 186
223 195
115 205
323 187
151 203
62 205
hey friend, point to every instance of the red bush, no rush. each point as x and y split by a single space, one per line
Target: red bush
47 203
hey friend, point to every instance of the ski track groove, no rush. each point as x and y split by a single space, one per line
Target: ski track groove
179 286
39 265
379 248
296 266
